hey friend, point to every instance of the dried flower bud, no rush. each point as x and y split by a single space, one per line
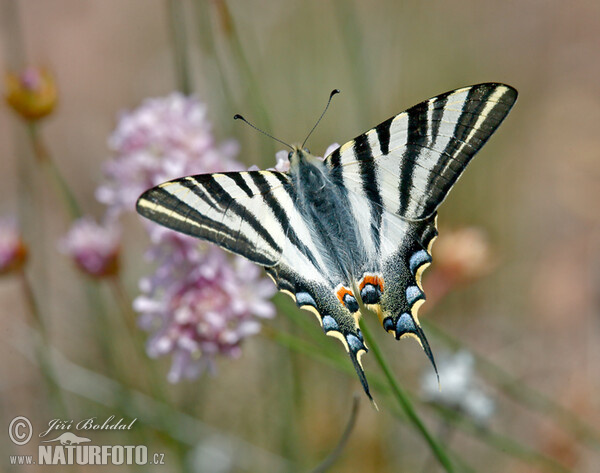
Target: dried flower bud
13 252
463 255
31 93
93 247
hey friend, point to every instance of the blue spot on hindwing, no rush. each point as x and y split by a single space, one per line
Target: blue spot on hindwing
388 324
418 259
370 294
413 294
329 323
304 298
405 324
351 303
354 343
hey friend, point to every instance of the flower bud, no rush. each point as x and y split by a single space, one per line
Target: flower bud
31 93
93 247
13 252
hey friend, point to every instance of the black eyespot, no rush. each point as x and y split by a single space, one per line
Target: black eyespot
290 154
370 294
351 303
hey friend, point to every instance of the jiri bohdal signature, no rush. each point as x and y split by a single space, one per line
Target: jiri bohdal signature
91 423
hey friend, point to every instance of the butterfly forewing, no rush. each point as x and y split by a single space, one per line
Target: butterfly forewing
415 157
228 209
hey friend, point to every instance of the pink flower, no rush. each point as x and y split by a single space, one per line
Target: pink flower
94 248
200 302
200 305
163 139
13 252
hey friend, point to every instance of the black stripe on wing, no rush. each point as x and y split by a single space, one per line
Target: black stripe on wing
368 172
224 209
416 139
419 154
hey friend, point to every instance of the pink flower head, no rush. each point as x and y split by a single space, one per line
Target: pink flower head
13 252
93 247
200 302
202 305
163 139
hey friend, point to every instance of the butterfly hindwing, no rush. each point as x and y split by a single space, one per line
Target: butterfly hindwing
403 293
338 317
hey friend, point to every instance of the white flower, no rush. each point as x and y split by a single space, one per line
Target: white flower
459 389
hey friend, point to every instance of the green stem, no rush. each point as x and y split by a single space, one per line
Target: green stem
337 451
404 401
348 20
323 354
151 377
245 71
180 45
501 443
40 345
206 35
43 157
522 393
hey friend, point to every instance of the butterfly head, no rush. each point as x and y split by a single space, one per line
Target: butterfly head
299 155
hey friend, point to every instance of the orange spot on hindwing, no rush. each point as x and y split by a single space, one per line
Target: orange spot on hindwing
371 288
346 297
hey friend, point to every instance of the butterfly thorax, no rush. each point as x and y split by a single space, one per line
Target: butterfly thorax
323 204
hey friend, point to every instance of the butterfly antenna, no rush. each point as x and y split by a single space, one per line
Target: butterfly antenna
239 117
333 92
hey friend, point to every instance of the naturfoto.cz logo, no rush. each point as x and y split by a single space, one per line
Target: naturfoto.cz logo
68 448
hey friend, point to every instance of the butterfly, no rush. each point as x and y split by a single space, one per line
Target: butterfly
353 230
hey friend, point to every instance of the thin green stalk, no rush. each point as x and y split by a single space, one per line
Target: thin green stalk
43 157
40 346
93 295
177 29
149 373
502 443
337 451
404 401
348 20
206 35
499 442
446 431
524 394
124 302
245 72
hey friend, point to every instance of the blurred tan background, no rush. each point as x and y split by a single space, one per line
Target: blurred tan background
534 190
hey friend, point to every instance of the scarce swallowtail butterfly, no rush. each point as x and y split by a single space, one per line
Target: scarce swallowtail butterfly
355 228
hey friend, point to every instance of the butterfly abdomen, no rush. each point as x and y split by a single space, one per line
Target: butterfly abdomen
325 208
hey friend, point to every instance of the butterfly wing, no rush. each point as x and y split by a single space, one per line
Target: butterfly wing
400 172
409 163
227 209
254 214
